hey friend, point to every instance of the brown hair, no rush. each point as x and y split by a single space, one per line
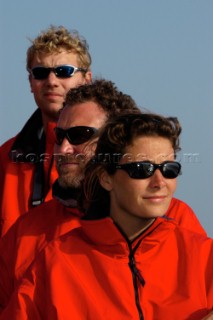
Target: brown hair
106 95
111 146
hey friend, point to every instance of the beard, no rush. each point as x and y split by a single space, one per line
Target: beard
69 180
68 176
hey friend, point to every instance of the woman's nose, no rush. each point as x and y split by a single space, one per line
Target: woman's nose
157 180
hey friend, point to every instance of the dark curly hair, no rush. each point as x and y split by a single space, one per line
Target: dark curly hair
106 95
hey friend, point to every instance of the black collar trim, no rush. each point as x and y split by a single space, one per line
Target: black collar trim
27 146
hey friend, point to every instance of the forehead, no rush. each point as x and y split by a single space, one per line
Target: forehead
152 148
82 114
55 59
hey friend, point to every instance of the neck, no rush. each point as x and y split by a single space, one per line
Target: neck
131 225
46 119
132 235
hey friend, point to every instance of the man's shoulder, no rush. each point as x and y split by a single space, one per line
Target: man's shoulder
7 144
49 212
5 149
49 208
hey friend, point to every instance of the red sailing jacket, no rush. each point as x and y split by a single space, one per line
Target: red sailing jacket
94 272
18 159
28 236
32 231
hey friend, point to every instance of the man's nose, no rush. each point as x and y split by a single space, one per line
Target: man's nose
65 147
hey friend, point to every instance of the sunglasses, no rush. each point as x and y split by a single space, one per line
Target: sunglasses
75 135
64 71
145 169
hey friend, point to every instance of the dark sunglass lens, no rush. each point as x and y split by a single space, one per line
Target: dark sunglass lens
64 71
140 170
40 73
171 170
79 135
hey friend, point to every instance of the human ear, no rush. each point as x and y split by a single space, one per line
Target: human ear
88 77
105 180
30 81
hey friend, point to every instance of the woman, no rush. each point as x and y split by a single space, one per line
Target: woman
126 260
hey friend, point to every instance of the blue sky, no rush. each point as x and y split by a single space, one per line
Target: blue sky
158 51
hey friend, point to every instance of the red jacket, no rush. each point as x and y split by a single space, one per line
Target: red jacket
93 272
32 231
28 236
18 158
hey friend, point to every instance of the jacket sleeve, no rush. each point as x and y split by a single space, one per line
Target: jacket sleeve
184 216
28 299
7 261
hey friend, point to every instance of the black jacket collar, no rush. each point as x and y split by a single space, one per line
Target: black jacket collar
27 146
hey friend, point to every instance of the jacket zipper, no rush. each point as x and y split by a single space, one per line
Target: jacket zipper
135 272
136 276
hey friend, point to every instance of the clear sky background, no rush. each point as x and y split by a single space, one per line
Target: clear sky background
158 51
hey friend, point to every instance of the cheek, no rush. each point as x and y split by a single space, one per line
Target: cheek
82 148
89 152
129 186
35 86
56 148
73 82
129 194
82 154
172 185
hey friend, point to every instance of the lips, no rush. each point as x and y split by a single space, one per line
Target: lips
53 95
155 198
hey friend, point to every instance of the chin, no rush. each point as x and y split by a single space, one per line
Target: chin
153 214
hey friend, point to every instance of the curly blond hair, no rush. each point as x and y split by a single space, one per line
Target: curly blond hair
57 39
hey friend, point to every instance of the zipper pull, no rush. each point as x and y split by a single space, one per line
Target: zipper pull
135 271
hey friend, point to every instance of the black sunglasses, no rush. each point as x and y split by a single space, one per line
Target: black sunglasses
145 169
64 71
75 135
